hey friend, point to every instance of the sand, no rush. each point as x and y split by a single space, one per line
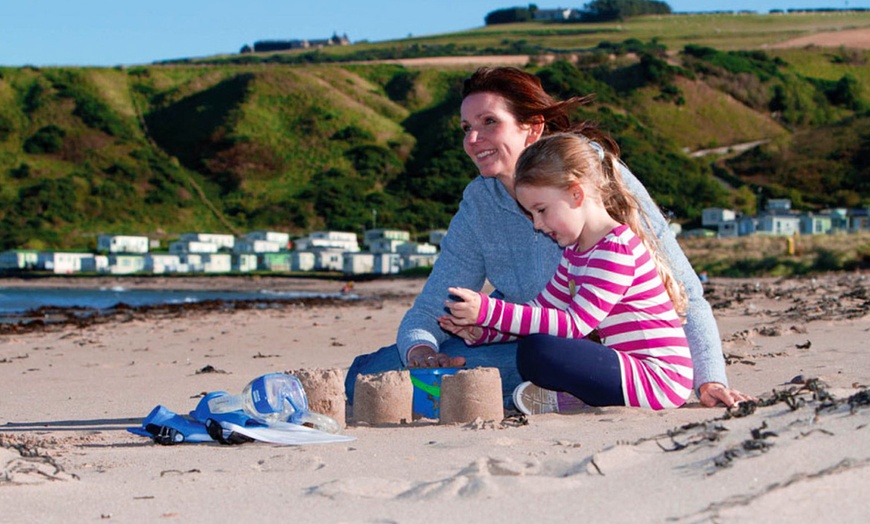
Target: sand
69 391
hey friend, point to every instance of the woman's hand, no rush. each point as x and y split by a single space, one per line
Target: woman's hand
714 393
470 334
426 357
466 308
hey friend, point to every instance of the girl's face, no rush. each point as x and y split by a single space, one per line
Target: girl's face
554 211
494 138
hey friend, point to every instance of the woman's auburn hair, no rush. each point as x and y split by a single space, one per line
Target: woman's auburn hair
529 103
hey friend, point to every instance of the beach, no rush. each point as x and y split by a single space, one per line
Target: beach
71 389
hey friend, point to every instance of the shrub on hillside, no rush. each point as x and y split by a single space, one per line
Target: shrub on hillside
374 162
35 97
7 127
401 85
353 135
508 16
608 10
21 172
846 92
798 102
48 139
93 112
758 63
564 80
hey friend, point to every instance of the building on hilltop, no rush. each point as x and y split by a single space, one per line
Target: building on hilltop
559 14
270 46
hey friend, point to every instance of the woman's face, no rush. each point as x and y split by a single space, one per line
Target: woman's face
494 138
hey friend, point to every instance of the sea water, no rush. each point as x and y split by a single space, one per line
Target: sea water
17 300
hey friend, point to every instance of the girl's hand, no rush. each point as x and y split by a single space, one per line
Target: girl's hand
466 308
470 334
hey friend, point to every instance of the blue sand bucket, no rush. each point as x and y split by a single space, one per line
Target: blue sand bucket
427 390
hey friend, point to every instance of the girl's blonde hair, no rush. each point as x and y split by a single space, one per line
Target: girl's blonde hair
564 160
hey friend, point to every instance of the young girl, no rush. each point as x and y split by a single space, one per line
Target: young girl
610 279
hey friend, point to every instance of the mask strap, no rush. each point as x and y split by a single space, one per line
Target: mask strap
597 147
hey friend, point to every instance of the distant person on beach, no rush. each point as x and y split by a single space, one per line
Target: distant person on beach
490 239
611 278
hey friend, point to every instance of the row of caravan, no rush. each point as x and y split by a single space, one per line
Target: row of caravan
388 252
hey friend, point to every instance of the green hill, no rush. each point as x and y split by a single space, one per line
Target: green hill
299 141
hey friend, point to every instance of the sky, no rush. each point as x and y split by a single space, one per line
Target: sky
118 32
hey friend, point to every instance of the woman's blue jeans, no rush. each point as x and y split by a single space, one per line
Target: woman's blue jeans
500 356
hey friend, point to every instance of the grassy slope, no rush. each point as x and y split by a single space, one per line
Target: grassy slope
722 31
690 126
249 137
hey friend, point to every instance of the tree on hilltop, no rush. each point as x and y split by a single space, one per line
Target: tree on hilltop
608 10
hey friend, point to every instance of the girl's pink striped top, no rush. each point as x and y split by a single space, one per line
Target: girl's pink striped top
612 287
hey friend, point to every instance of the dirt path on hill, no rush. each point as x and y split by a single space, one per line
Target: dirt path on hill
855 38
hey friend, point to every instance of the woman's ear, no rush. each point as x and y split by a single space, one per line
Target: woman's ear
536 129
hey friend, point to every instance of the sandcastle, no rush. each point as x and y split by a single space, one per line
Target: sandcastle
470 394
325 391
383 398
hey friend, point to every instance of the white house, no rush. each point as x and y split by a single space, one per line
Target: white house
217 262
328 260
245 262
371 236
727 229
778 204
223 241
784 225
122 244
385 245
414 248
61 263
122 264
747 225
190 262
95 264
182 247
412 260
387 264
713 216
812 224
302 261
162 263
859 220
330 240
19 259
358 263
436 236
282 239
274 261
839 218
558 14
250 245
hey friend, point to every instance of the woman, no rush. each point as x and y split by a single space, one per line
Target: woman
491 239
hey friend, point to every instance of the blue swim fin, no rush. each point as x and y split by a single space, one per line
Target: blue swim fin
167 427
